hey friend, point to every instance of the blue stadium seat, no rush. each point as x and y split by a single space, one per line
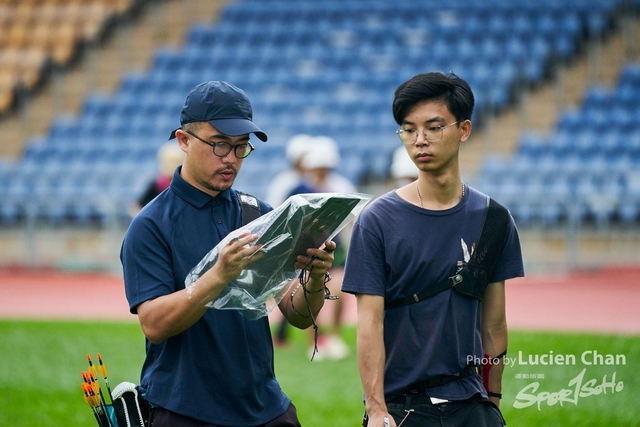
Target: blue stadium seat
97 105
522 168
135 83
11 210
203 36
64 128
597 97
552 213
628 211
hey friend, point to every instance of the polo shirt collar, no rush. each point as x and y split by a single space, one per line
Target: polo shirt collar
191 194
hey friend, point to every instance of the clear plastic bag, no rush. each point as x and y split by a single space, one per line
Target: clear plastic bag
303 221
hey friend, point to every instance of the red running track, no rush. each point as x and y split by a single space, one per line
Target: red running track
603 300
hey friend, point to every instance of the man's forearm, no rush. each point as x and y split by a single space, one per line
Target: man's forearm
371 353
171 314
494 337
495 382
298 309
495 344
371 366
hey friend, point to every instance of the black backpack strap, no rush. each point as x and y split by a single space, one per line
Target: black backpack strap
473 279
249 206
477 274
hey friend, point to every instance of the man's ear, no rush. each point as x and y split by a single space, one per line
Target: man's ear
183 139
465 127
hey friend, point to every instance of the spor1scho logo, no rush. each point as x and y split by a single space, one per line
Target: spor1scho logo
578 387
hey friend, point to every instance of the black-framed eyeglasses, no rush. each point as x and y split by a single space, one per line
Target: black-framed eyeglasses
431 134
221 149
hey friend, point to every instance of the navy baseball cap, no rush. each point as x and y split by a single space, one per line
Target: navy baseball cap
223 106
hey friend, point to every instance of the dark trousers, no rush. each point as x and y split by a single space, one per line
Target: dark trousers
161 417
420 412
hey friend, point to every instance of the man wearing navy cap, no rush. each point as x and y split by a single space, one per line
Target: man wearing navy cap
208 367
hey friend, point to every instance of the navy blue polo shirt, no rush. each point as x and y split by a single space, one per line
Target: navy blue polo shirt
220 370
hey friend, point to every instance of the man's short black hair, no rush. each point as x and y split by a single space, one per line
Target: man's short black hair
434 86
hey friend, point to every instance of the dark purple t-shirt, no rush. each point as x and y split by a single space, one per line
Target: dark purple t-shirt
396 250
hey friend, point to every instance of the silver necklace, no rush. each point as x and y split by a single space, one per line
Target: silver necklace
420 198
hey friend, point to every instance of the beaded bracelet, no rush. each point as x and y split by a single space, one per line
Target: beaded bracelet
327 278
293 307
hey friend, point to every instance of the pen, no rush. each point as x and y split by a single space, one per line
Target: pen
386 421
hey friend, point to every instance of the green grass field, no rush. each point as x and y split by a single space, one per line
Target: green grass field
40 365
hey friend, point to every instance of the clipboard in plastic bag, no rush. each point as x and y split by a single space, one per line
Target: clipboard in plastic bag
303 221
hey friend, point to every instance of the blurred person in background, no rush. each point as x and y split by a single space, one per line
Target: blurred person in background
316 161
416 333
206 367
282 185
169 157
320 164
403 171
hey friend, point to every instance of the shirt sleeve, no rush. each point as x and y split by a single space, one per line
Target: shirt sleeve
365 265
147 264
510 263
